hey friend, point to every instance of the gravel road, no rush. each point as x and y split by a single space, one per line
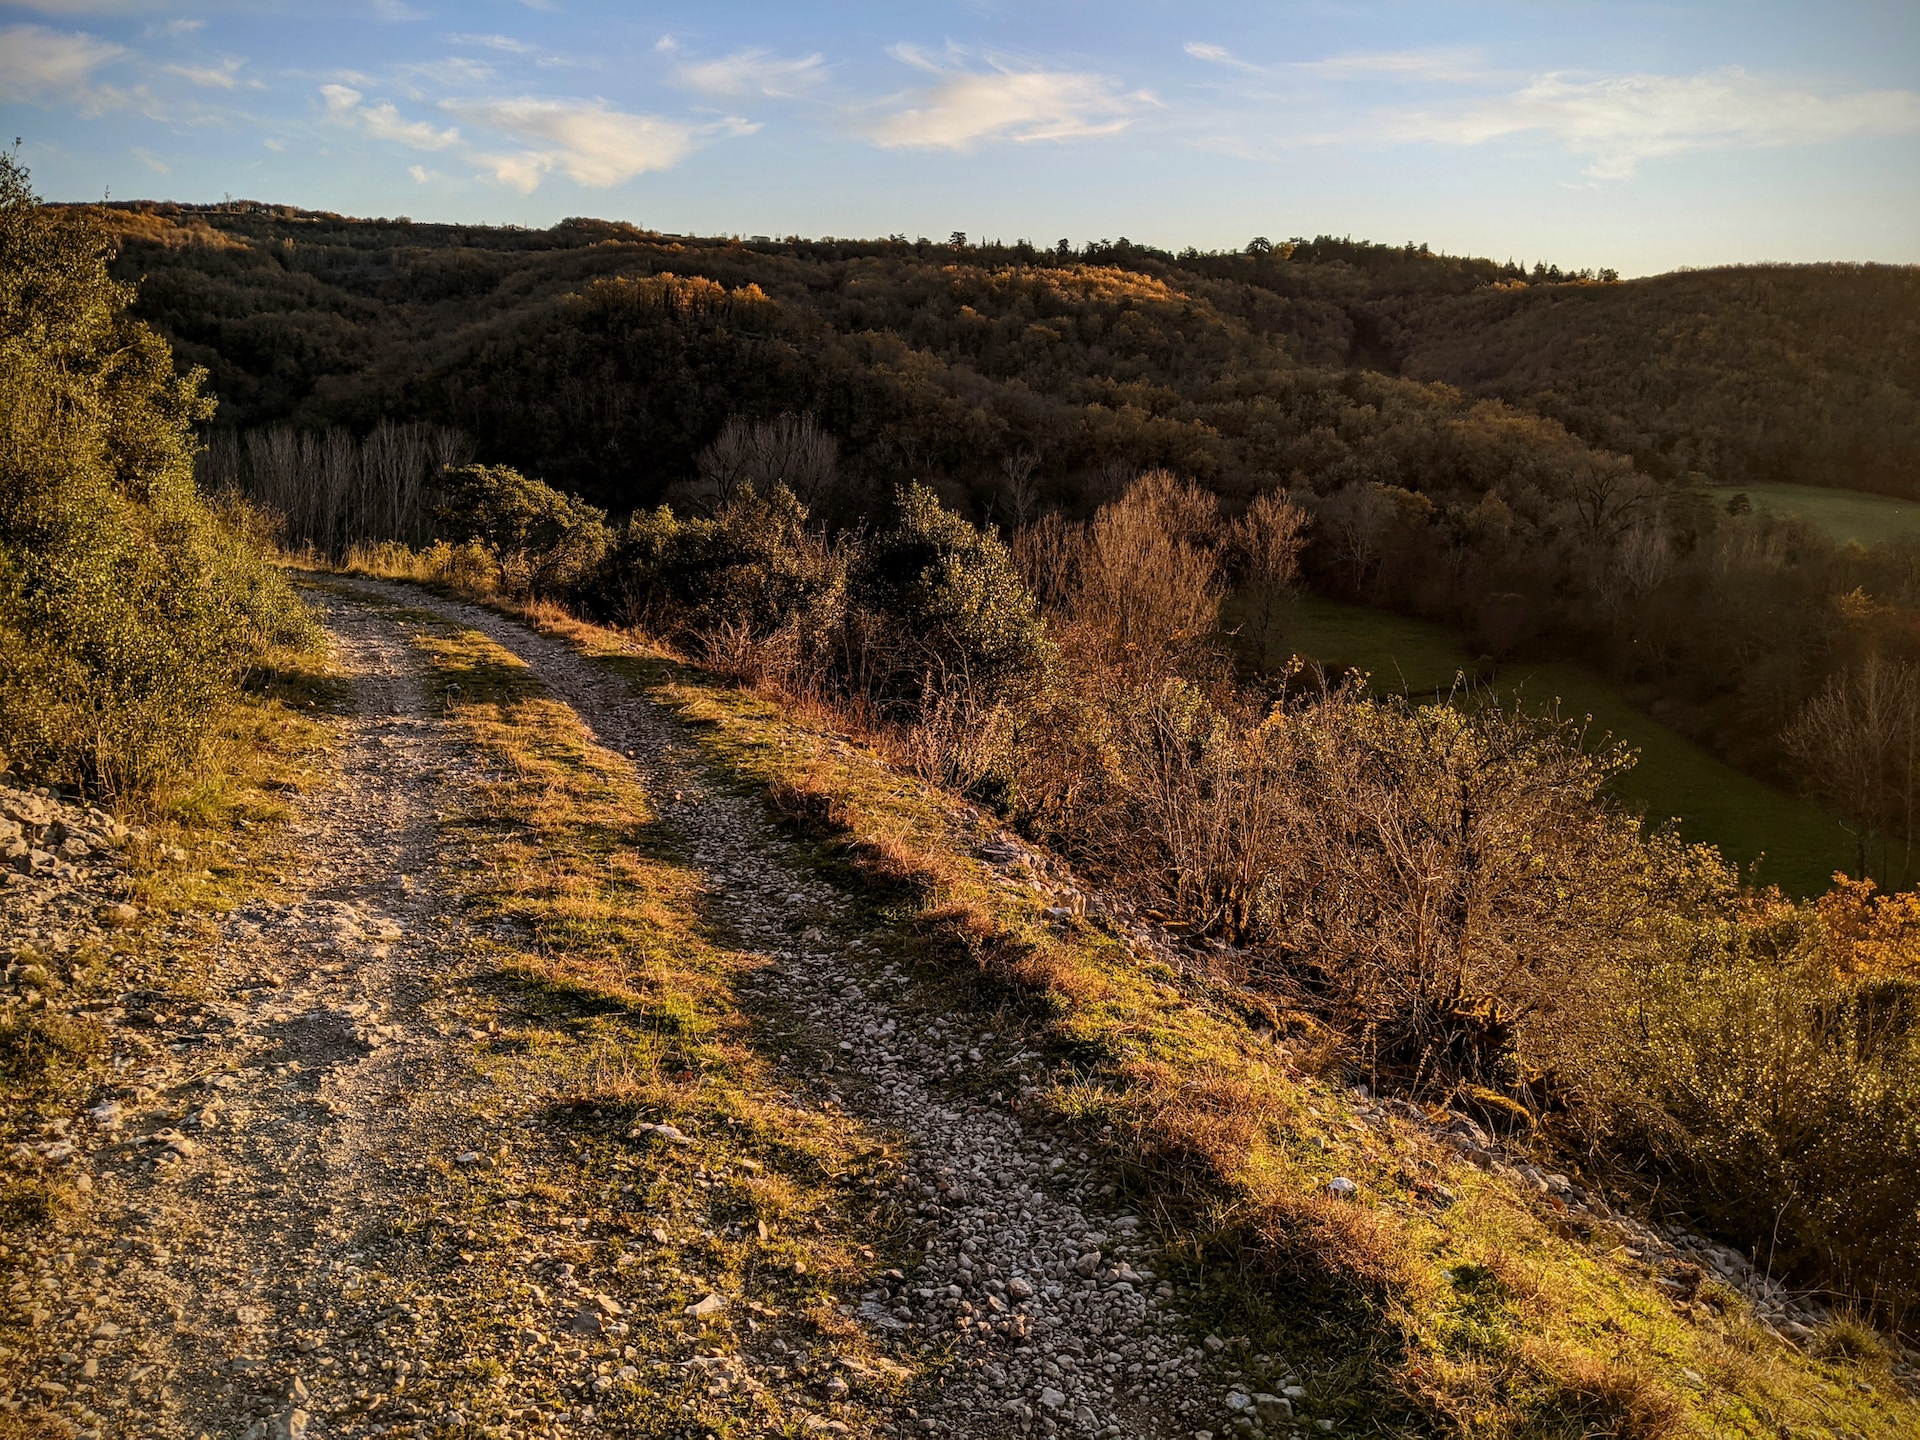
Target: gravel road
257 1150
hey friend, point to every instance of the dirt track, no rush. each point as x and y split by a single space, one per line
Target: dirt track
274 1153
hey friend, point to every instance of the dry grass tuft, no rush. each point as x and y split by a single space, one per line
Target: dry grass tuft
1614 1398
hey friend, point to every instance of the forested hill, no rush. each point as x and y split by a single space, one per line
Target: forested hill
603 357
1802 374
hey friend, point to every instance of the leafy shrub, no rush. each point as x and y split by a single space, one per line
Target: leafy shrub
753 579
546 543
946 606
1783 1094
129 607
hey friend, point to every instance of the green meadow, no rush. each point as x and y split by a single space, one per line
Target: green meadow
1775 837
1846 515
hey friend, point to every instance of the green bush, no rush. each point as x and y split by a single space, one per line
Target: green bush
130 608
754 570
546 543
947 606
1784 1097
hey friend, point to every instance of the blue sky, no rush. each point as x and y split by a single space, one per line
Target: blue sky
1641 136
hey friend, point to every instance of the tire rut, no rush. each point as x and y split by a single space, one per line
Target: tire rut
1058 1323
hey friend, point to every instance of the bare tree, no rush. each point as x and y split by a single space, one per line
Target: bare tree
1048 553
1150 579
332 491
1110 480
1021 488
791 450
1852 740
1357 521
1609 498
1266 543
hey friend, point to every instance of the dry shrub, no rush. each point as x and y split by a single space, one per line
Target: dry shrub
1048 553
962 741
1595 1397
1849 1336
1265 545
1150 579
1783 1098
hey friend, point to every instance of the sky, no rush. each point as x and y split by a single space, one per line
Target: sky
1643 137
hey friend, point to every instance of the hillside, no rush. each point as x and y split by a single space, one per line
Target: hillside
1752 375
1239 368
581 1048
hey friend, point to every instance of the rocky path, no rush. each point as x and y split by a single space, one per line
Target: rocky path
261 1151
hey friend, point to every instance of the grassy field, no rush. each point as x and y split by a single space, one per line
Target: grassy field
1843 514
1781 839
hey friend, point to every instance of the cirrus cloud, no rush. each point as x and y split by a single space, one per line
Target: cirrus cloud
752 72
38 64
1617 123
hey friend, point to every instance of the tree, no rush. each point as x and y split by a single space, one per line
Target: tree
1266 543
1022 490
790 450
1854 744
129 609
951 599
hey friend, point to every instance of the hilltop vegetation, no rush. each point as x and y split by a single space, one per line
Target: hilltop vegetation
942 356
1751 375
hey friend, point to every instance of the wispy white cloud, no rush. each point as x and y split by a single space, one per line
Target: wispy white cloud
453 70
1220 55
383 121
1446 65
963 107
586 141
495 42
41 65
1616 124
752 72
224 76
395 12
152 161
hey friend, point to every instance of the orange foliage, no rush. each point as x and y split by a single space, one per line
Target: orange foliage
1868 933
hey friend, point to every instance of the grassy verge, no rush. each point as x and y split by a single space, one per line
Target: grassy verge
1438 1299
618 998
198 849
1777 837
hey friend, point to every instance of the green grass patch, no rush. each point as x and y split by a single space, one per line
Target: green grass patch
1851 517
1774 837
